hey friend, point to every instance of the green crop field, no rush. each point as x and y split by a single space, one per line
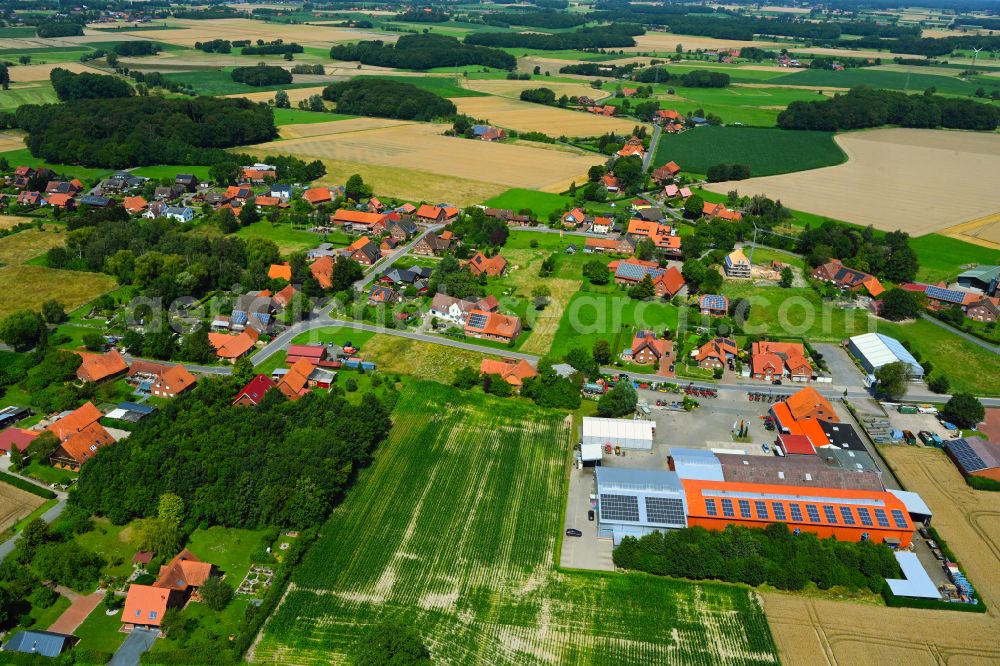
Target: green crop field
445 86
462 550
942 257
17 31
880 78
736 104
766 151
542 203
970 368
302 117
35 94
220 82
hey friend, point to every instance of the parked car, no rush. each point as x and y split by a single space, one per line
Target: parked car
574 532
590 515
767 449
777 382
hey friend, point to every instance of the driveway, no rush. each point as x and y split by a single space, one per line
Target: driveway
845 373
586 552
138 642
78 611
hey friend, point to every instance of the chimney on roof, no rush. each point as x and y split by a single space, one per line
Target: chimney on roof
809 477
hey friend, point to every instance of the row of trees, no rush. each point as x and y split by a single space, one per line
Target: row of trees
137 131
284 463
718 173
70 86
615 35
423 51
698 78
277 47
262 75
867 107
385 98
771 555
59 28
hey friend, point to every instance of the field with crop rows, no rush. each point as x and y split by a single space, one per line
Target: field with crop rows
452 531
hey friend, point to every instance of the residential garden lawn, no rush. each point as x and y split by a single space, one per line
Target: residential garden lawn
970 368
48 474
393 354
766 151
445 86
337 335
171 170
276 361
228 548
111 543
220 82
303 117
797 312
541 203
23 157
942 257
485 478
68 336
410 260
613 317
285 236
879 78
100 631
42 618
765 255
30 94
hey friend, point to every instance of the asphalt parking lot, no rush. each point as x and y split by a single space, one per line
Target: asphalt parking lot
845 374
917 422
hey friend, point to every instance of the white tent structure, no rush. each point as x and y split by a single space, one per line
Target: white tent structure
628 434
874 350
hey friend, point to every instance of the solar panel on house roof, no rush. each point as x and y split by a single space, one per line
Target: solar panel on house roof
966 456
847 515
831 517
813 513
761 508
866 516
942 294
882 518
637 271
796 512
710 507
713 301
619 507
727 508
779 511
744 508
477 320
238 318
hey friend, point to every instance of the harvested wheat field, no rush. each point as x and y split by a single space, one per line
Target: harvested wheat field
192 31
8 221
295 95
423 360
665 41
338 127
15 504
811 631
984 231
10 141
920 181
527 117
23 73
421 146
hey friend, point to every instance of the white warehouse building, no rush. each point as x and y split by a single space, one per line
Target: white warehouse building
635 502
873 350
628 434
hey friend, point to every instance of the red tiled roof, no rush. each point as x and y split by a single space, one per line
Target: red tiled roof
279 272
255 389
97 367
84 445
145 604
322 270
75 421
513 371
16 437
315 195
134 204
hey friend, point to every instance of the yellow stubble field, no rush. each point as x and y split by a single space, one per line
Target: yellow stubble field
815 631
526 117
920 181
190 31
15 504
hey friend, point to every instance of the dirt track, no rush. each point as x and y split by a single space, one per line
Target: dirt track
920 181
810 631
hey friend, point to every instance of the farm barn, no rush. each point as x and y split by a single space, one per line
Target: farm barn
874 350
635 502
975 456
625 433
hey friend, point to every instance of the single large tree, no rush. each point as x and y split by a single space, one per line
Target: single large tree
964 410
23 328
898 304
892 379
619 401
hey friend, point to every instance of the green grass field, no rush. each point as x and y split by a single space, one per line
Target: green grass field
542 203
462 550
796 312
220 82
735 104
970 368
171 170
23 157
17 31
288 238
302 117
942 257
766 151
879 78
32 94
48 54
445 86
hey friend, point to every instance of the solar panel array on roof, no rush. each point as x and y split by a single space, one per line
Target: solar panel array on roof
947 295
631 271
238 318
713 301
619 507
966 457
665 511
477 320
